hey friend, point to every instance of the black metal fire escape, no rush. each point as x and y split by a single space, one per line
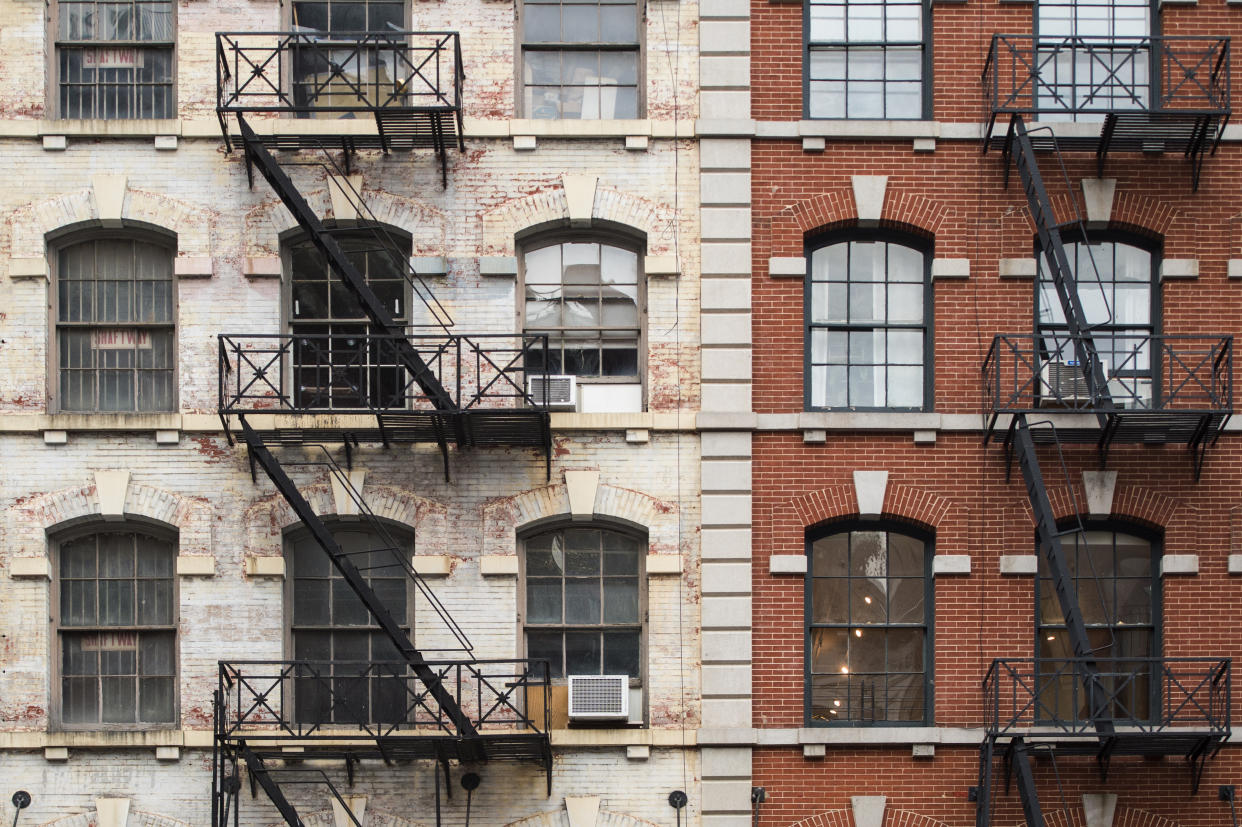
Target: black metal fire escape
441 388
1196 402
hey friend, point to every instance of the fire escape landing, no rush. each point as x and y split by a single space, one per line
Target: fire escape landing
1167 389
387 386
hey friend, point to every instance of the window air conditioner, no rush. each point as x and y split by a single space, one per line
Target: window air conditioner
599 697
1063 382
562 391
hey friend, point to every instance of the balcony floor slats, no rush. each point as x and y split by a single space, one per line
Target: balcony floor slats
1141 428
1125 132
501 747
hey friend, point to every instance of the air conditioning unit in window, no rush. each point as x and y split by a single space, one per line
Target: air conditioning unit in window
561 390
599 697
1062 383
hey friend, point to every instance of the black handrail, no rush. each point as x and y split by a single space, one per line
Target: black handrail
362 374
1145 695
1027 372
330 700
1028 74
304 72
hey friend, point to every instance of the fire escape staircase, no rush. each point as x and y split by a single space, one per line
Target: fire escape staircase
1101 731
463 710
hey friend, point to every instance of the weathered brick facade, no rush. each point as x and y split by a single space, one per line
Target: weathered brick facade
641 178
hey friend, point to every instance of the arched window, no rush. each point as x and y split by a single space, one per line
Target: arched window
335 365
868 626
331 628
868 317
586 293
115 615
115 324
1115 285
1117 581
583 608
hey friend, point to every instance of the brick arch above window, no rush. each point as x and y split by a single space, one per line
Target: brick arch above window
34 223
548 209
427 226
54 511
1133 504
905 503
904 211
505 517
267 519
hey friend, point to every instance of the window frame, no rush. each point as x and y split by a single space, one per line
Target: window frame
90 528
520 49
1153 31
287 60
1155 539
924 247
298 533
622 242
145 235
633 533
53 64
345 234
927 91
1154 327
910 530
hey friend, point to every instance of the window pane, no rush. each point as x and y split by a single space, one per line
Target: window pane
829 648
582 601
830 600
582 653
621 653
546 645
621 600
543 601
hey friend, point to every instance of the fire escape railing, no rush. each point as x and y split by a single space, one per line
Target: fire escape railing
306 700
308 73
1045 696
1032 75
364 373
1028 372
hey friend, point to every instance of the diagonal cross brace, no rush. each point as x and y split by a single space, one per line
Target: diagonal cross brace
1062 274
1062 580
344 269
435 686
259 773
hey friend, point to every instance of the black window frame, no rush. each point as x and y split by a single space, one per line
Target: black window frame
563 47
809 47
384 383
908 530
61 251
169 540
1155 539
64 44
1099 45
559 673
392 687
1129 378
921 245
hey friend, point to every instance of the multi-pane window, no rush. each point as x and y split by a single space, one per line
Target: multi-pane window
115 58
867 326
341 68
117 627
336 365
1093 55
580 59
868 628
584 601
1117 583
1115 288
586 296
115 326
354 673
865 58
